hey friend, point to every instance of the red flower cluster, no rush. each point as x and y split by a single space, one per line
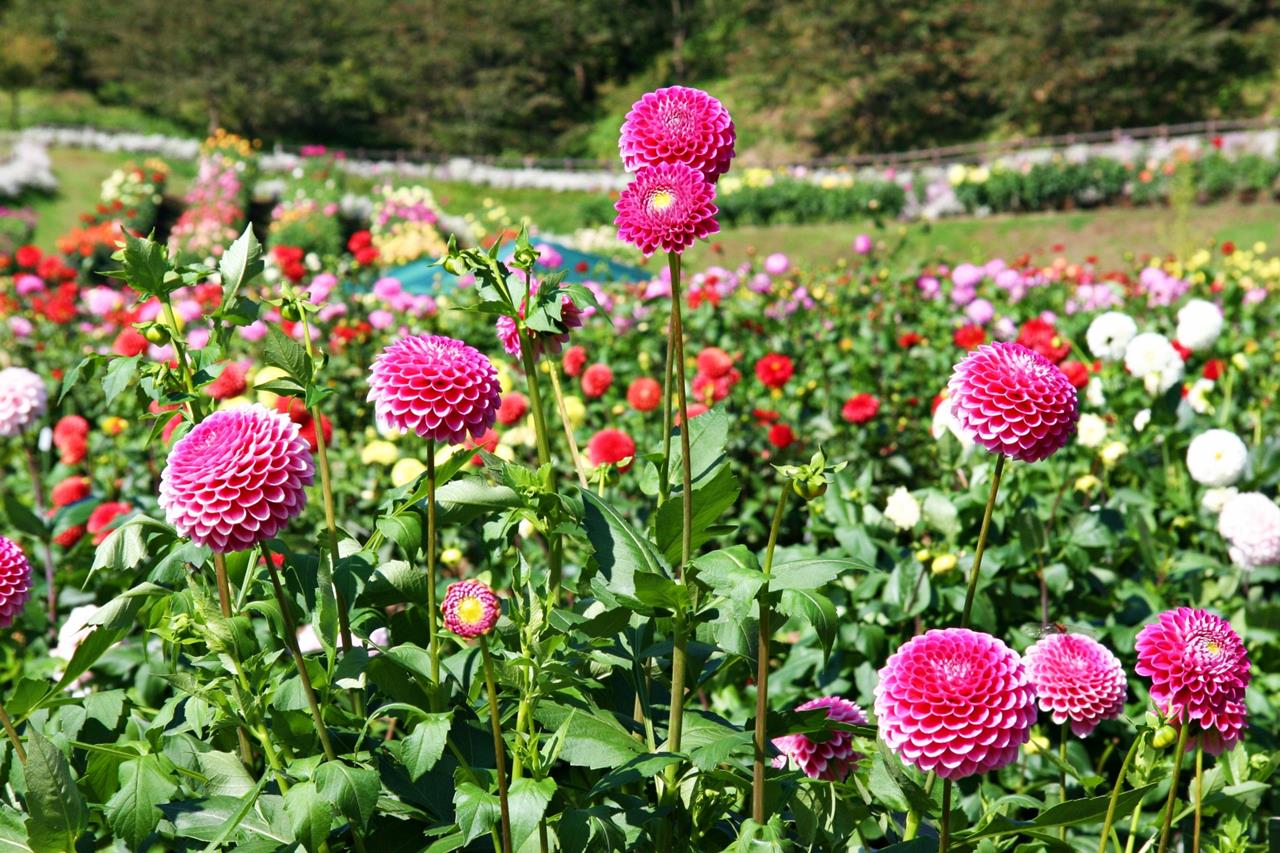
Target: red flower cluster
361 246
611 447
514 407
574 359
645 394
907 340
290 260
129 342
969 337
1077 373
1041 336
102 520
781 436
716 375
860 408
596 380
297 412
230 383
71 437
774 369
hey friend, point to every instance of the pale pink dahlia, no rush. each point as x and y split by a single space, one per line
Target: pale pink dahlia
666 207
1014 401
15 581
22 400
438 387
678 125
237 478
833 758
1199 670
956 702
1076 678
570 319
1250 522
470 609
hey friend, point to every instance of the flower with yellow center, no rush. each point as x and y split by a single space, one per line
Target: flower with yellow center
943 563
1112 452
113 425
406 471
1087 483
379 453
451 556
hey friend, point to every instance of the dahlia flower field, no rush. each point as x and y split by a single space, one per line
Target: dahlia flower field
891 555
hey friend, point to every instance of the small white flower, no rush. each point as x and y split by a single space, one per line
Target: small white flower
1112 452
1215 499
1199 324
1091 431
1198 396
944 421
1093 393
1153 359
1141 420
1109 334
1217 458
902 509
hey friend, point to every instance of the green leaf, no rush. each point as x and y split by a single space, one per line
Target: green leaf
282 351
464 500
82 371
941 514
145 265
732 573
133 812
620 551
353 790
405 530
592 738
22 518
57 812
395 582
309 815
811 572
420 751
712 496
13 834
226 774
527 801
475 810
120 372
814 608
636 770
240 264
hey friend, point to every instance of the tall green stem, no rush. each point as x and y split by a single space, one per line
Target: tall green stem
224 604
554 373
1062 769
944 827
433 641
982 543
1195 833
180 353
555 548
762 666
13 734
1167 822
291 643
499 748
1115 793
668 371
46 550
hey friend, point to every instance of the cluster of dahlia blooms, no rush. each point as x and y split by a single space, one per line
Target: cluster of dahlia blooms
22 400
1013 401
1199 670
236 479
15 581
678 141
440 388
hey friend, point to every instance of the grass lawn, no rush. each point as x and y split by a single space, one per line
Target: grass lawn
1108 234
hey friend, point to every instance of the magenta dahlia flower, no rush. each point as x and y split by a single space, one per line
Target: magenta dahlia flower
956 702
15 581
678 125
667 207
438 387
237 478
1014 401
1199 670
1076 678
470 609
833 758
23 398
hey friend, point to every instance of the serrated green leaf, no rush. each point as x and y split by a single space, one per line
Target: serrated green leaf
120 372
353 791
57 814
133 812
309 815
240 264
420 751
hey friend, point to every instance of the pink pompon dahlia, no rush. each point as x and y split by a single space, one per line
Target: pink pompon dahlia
666 207
956 702
1199 670
470 609
1076 678
438 387
1250 522
833 758
678 125
236 479
15 581
23 398
1014 401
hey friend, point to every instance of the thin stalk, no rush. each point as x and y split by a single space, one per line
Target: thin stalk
184 367
1133 830
1115 793
1167 823
944 825
1195 834
499 748
675 724
555 549
433 641
46 550
224 604
1062 770
982 543
762 667
668 369
291 643
13 734
568 428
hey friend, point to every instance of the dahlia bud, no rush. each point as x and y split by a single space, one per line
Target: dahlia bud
156 334
1164 737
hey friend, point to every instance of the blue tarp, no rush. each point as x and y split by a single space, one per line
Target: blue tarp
421 277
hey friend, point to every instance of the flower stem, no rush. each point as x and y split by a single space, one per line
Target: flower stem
433 641
291 643
224 604
675 724
13 734
1167 823
944 825
46 550
1195 834
762 666
555 553
568 428
1115 793
668 369
180 353
1062 770
499 748
982 543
